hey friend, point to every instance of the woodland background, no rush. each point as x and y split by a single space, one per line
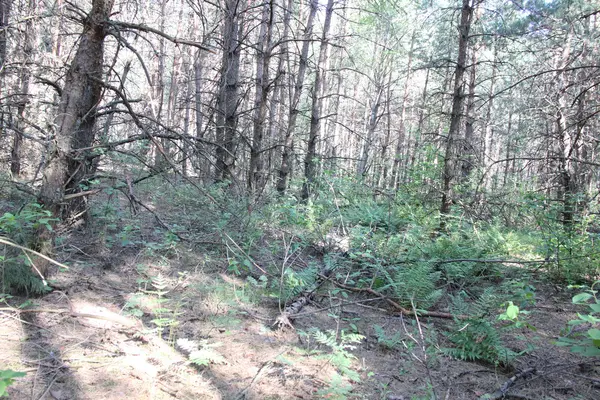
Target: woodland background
442 155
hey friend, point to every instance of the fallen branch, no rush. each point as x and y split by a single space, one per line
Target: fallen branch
501 392
12 244
398 307
290 311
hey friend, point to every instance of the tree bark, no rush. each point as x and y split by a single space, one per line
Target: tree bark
310 166
263 57
286 156
227 101
67 165
456 113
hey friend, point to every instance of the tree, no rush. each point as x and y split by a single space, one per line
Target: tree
228 97
450 159
286 156
69 161
310 162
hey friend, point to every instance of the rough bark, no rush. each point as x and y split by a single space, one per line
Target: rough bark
310 165
67 165
5 6
456 113
286 156
262 87
227 101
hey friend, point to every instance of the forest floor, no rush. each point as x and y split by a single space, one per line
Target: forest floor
95 336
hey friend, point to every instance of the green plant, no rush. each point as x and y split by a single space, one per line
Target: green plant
385 341
584 341
512 314
16 264
164 317
416 285
340 356
201 353
337 389
477 339
7 378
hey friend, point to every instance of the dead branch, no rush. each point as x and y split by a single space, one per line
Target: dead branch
501 392
148 29
398 307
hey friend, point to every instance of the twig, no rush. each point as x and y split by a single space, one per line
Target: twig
501 392
258 375
405 311
247 256
423 349
6 241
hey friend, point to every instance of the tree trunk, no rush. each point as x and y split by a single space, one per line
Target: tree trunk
227 101
67 165
286 156
456 113
469 148
317 103
5 6
402 128
263 57
361 169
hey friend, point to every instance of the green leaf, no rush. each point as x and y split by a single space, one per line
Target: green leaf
581 298
512 311
594 334
595 307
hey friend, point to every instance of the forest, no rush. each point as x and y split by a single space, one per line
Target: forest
299 199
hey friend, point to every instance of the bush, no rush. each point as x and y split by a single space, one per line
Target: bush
16 274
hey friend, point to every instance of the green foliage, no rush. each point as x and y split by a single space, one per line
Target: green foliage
385 341
337 389
293 283
513 315
478 340
201 353
372 214
416 285
583 335
573 252
16 273
7 378
340 356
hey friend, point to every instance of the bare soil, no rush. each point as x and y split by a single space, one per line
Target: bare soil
81 341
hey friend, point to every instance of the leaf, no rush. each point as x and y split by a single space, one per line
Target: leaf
581 298
594 334
512 311
595 307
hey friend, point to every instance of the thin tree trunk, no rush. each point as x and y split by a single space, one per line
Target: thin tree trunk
25 77
361 169
227 101
317 102
456 113
469 144
263 57
286 156
5 6
402 129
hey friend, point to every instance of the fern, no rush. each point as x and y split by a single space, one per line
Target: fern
478 340
389 342
17 277
201 353
482 305
416 285
340 357
296 282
